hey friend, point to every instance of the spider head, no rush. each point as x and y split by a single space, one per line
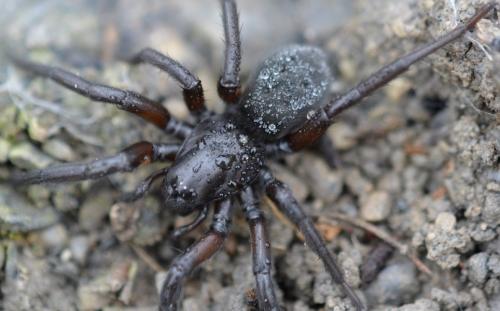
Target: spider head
215 162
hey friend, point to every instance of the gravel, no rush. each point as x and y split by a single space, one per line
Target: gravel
419 159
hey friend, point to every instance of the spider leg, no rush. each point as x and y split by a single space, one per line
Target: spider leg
281 195
192 89
144 186
325 116
325 147
199 252
261 251
124 100
189 227
229 87
125 161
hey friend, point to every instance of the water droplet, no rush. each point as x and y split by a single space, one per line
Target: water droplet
245 158
310 114
232 184
225 161
243 139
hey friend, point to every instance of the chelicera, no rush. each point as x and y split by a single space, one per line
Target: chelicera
221 160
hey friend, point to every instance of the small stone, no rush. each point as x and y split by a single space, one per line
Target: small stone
26 156
446 221
4 150
395 284
55 237
494 264
39 126
58 149
79 247
421 305
491 210
357 183
376 206
16 214
478 268
325 183
343 135
94 209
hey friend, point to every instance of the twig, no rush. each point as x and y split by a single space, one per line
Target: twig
403 249
150 261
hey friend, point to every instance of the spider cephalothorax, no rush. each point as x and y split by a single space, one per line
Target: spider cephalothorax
285 108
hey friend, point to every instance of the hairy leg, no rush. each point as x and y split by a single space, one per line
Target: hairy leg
281 195
124 100
199 252
125 161
189 227
324 117
192 88
229 87
261 251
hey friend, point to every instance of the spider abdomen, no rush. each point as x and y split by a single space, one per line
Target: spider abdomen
287 88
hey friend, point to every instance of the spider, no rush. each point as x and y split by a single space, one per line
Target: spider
285 108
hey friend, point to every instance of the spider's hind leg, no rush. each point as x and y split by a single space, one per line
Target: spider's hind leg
281 195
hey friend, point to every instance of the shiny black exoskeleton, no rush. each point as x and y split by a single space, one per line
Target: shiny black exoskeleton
221 160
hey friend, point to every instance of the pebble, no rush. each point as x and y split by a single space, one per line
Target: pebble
491 210
325 183
343 135
26 156
395 284
4 150
446 221
55 237
58 149
494 264
39 127
79 247
478 268
376 206
94 209
16 214
421 305
357 183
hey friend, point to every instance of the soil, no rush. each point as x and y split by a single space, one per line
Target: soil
419 159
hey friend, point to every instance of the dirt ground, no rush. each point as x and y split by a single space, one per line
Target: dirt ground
419 160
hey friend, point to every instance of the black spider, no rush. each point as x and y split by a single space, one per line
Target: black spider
285 108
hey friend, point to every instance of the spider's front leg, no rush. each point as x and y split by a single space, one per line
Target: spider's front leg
125 161
229 87
126 100
202 250
281 195
192 88
261 252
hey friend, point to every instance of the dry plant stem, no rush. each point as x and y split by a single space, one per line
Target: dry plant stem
381 234
148 259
